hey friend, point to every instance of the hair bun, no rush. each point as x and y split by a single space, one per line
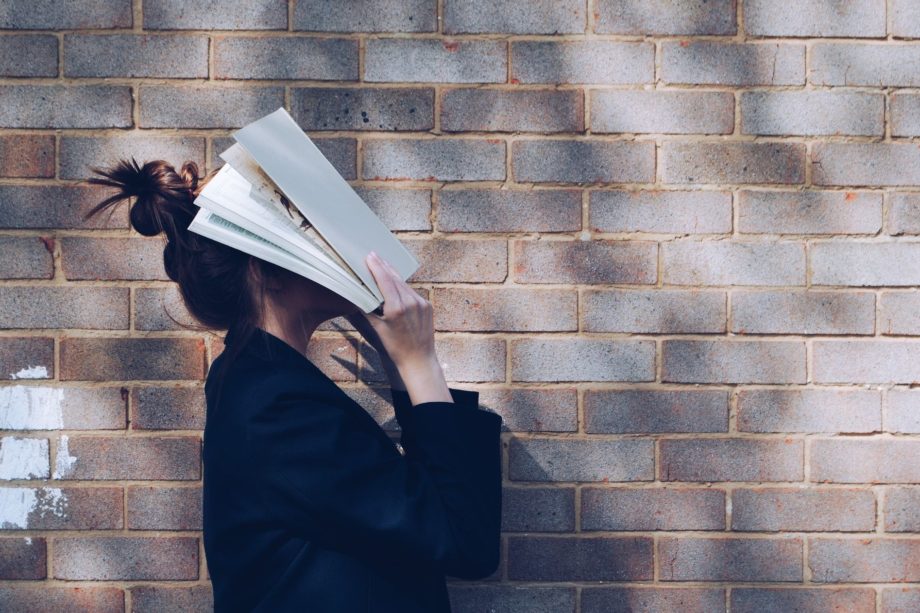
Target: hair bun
164 198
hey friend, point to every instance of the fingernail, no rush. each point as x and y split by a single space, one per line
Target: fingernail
373 254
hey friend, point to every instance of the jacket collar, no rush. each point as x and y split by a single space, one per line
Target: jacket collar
266 346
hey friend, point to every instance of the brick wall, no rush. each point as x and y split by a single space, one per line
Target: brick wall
674 244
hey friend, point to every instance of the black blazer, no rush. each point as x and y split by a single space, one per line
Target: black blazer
310 506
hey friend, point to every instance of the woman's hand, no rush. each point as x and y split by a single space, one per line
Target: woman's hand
359 321
405 332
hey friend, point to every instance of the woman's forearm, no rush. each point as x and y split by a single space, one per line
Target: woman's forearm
424 380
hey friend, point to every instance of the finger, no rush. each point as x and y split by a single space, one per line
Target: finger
391 294
404 290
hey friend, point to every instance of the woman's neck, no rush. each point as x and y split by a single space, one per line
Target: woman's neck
295 328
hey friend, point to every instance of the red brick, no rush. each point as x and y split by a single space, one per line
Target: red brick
809 410
900 600
122 359
27 155
452 260
26 257
505 309
579 559
803 510
509 210
531 509
154 598
540 409
654 311
47 598
850 460
730 559
656 410
62 508
164 508
864 560
595 261
128 457
26 357
622 509
83 257
582 359
900 509
733 361
651 599
167 408
731 459
119 558
757 600
568 459
23 558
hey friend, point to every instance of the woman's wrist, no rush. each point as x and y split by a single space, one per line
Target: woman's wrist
424 380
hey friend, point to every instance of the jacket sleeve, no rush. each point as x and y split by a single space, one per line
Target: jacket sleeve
334 479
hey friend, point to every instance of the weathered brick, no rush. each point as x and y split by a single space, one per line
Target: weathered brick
167 408
738 162
903 213
164 508
485 110
435 60
510 17
595 261
729 63
582 359
84 257
28 55
565 459
156 308
317 59
756 600
335 356
119 359
504 309
23 558
901 504
650 599
24 458
803 510
432 159
399 209
550 558
75 14
126 558
899 600
203 106
453 260
29 357
79 153
603 62
742 262
812 113
101 308
510 598
865 264
366 16
865 361
540 409
68 508
647 411
662 112
679 212
65 106
898 313
733 361
905 18
644 509
812 18
26 155
865 64
642 17
26 257
905 109
550 509
871 164
865 460
902 411
809 410
215 15
653 311
509 210
390 108
730 559
803 312
135 55
40 407
580 161
809 212
731 459
135 458
56 206
153 598
25 597
835 560
471 358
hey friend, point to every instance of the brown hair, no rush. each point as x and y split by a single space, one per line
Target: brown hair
214 280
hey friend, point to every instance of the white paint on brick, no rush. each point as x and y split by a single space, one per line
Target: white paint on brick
18 503
23 458
64 462
31 372
24 407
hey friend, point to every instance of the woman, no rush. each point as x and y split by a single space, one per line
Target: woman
308 504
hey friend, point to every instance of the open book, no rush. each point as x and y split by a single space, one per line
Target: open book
279 199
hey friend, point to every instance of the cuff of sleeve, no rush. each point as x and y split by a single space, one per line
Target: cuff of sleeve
403 407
